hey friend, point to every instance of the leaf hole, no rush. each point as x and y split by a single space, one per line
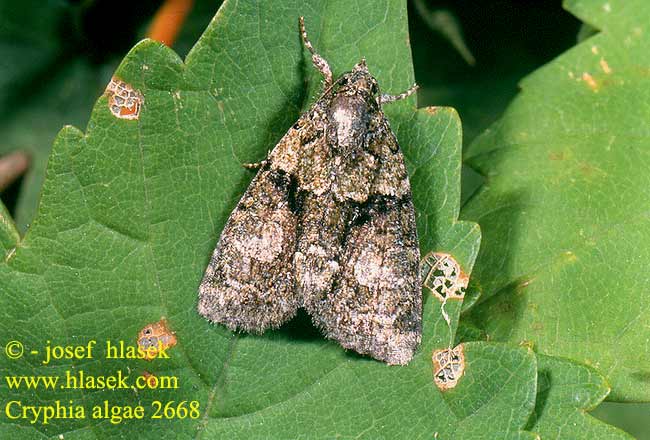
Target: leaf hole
448 367
442 275
124 101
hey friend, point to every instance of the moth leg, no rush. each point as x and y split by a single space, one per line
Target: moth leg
255 165
319 62
385 99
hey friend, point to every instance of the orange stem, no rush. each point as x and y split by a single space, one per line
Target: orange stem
169 20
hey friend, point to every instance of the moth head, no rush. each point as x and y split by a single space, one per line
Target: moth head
358 82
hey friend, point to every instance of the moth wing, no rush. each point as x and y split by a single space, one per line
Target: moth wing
248 284
375 306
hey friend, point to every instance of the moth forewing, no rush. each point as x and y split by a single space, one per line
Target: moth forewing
248 284
328 223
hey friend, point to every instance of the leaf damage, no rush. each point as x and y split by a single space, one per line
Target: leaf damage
156 337
124 101
443 276
150 378
448 367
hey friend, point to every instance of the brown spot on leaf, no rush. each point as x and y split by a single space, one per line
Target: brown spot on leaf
156 337
556 156
123 100
605 66
589 170
448 367
590 81
442 275
151 379
432 110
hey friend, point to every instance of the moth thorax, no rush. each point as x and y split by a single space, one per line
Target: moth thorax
349 115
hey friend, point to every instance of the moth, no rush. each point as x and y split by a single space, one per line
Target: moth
327 224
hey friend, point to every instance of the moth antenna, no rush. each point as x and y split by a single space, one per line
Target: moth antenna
319 62
385 99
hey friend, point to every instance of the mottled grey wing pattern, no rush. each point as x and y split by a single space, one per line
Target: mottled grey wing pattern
327 224
375 306
249 284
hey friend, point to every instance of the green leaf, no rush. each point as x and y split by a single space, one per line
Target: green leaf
66 96
362 401
565 392
9 236
564 222
41 88
131 210
504 54
197 20
632 417
51 82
